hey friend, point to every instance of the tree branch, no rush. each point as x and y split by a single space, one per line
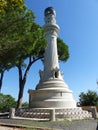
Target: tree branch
29 66
1 79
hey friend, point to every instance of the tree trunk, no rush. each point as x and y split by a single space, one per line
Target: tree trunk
1 79
20 95
21 88
22 80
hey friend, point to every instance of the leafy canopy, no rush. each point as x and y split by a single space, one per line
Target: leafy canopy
15 35
21 37
6 102
63 51
6 5
88 99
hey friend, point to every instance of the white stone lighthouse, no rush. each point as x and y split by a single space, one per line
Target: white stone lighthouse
51 91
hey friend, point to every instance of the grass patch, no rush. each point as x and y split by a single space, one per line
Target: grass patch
39 125
43 125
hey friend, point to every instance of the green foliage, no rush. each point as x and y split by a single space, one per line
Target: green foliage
6 102
25 105
63 51
6 5
88 99
21 37
15 36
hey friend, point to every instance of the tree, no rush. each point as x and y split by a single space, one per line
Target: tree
15 29
6 102
21 39
88 99
25 105
10 4
18 37
6 10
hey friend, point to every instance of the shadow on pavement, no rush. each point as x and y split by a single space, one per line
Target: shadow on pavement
97 126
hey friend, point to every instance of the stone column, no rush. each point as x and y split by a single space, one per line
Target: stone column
94 112
12 113
52 115
51 65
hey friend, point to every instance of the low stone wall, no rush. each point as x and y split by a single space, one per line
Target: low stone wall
88 108
33 113
51 114
73 113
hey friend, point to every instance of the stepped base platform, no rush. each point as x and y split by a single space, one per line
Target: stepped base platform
51 99
52 93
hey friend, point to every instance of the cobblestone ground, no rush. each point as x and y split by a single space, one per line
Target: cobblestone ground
59 125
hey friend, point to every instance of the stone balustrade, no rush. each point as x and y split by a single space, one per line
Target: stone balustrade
51 114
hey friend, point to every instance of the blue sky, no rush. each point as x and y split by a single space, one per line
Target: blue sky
78 21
